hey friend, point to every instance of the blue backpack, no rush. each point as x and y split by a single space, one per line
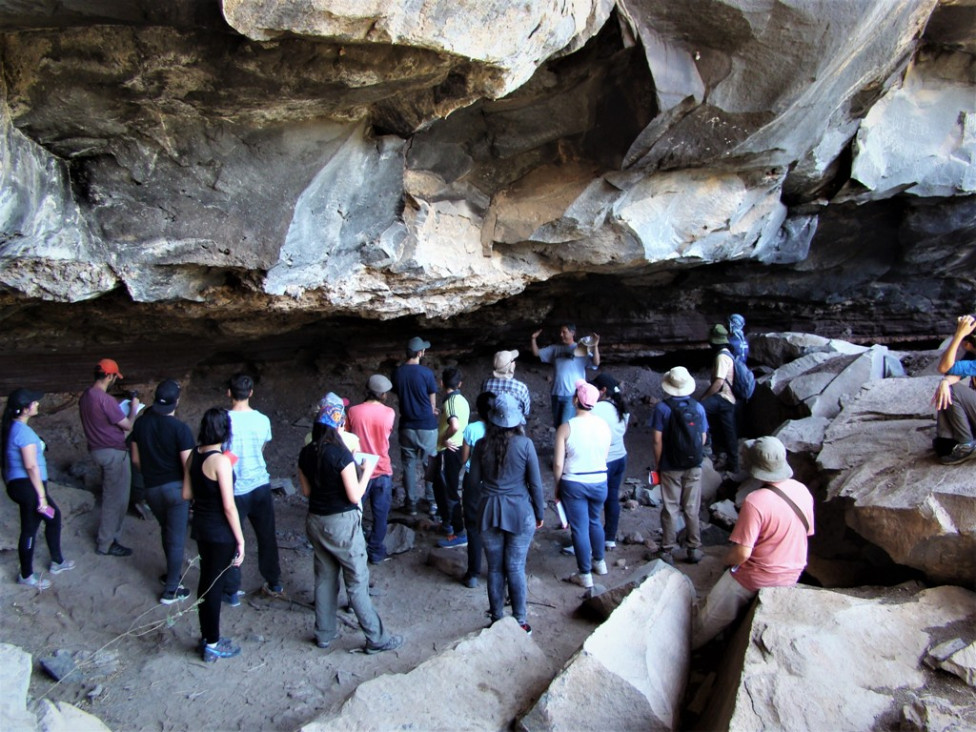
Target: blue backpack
744 382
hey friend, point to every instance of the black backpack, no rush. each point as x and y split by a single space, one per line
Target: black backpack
682 437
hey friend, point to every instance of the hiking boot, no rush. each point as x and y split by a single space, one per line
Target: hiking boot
34 581
392 643
115 550
177 595
453 540
600 567
665 556
59 567
223 649
583 580
960 453
694 555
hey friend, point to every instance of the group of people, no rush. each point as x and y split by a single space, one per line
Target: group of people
479 471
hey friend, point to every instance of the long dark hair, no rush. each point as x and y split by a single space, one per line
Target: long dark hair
214 427
617 397
497 440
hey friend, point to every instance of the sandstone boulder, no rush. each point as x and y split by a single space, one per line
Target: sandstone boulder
922 513
818 659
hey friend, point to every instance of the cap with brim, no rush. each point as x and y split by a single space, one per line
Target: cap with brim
21 398
167 395
110 368
587 394
379 384
505 412
605 381
418 344
718 335
502 364
678 382
766 459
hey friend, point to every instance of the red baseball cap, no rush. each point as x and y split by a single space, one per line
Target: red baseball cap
109 367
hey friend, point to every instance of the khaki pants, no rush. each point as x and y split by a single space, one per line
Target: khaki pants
116 484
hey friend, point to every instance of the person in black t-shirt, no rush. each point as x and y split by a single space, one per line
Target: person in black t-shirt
329 478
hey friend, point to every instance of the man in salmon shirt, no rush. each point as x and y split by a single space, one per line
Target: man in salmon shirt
769 541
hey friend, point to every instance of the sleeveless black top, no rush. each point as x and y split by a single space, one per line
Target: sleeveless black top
209 522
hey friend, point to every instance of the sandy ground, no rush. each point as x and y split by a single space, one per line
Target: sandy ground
146 674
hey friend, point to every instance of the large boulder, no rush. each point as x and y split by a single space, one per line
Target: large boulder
922 513
817 660
630 673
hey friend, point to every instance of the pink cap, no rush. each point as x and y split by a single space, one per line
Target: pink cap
587 394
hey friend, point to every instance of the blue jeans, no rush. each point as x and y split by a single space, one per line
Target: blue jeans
506 553
721 420
583 503
379 495
616 470
415 447
562 409
258 506
172 513
340 547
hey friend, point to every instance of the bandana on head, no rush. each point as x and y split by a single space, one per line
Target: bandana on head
331 411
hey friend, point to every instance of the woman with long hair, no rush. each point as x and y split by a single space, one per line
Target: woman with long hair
612 409
329 479
209 483
506 468
25 473
579 467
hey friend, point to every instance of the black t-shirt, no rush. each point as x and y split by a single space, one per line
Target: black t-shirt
324 474
161 438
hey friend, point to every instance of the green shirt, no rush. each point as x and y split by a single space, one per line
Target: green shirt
455 405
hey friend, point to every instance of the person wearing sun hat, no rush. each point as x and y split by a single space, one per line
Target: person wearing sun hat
105 426
680 475
719 402
769 541
503 381
505 466
579 467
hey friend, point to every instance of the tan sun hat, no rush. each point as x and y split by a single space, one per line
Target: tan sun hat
678 382
766 459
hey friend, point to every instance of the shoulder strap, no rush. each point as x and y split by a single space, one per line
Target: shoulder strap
789 501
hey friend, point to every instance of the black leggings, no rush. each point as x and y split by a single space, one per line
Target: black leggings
214 559
22 492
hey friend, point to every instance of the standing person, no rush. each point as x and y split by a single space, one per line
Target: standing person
450 434
506 468
105 425
679 428
612 409
328 477
738 343
209 483
570 363
250 432
579 469
471 493
372 422
719 402
503 381
769 541
416 390
25 473
161 445
955 400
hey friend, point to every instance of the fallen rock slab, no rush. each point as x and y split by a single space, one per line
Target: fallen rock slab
484 682
630 673
15 673
64 717
818 659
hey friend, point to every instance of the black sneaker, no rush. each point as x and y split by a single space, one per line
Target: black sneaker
394 642
960 453
115 550
177 595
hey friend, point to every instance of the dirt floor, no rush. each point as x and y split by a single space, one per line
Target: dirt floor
143 671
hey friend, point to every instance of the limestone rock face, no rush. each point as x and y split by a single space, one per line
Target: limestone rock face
813 660
921 512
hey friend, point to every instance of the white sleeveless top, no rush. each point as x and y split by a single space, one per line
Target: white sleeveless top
586 450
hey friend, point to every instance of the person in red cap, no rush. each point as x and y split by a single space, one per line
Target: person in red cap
105 426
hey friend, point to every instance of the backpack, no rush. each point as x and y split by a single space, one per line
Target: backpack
682 436
744 382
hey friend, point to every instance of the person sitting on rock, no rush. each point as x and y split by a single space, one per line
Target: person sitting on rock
955 399
769 541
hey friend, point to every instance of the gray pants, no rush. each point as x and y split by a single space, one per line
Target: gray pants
723 605
116 483
681 491
415 447
339 545
958 422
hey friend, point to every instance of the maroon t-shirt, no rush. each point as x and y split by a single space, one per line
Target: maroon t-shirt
100 417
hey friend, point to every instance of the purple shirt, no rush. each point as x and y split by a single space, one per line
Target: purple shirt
100 417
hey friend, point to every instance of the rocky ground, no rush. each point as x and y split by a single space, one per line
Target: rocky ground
143 672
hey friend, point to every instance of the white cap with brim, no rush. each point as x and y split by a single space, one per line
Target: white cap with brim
678 382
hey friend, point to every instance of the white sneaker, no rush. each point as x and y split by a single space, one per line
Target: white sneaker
34 581
583 580
600 567
610 545
59 567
